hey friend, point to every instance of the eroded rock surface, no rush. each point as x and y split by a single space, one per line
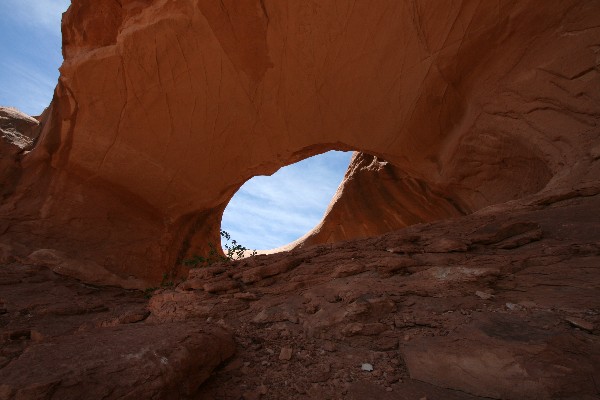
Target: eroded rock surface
62 339
17 129
394 198
18 133
164 109
503 303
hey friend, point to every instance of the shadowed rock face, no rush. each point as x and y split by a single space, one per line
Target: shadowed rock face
164 109
62 339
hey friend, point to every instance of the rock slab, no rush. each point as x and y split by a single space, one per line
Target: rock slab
134 361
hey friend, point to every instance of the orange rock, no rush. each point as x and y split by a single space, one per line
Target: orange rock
164 109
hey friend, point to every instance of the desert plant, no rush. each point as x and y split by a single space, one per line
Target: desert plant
148 292
233 251
167 281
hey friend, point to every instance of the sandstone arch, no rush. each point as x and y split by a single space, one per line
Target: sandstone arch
163 109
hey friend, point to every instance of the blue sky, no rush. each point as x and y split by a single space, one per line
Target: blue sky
271 211
267 212
30 42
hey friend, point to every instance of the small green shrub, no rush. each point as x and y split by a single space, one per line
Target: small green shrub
233 251
167 281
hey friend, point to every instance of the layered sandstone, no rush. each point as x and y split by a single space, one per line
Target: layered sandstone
17 128
18 133
164 109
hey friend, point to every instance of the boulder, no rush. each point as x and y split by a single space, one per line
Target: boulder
132 361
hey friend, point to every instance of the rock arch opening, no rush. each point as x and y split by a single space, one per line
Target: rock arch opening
302 204
270 212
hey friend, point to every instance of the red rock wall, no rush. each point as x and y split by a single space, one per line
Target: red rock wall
375 197
164 109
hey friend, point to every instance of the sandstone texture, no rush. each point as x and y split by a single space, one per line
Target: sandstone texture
375 197
62 339
501 304
475 126
17 129
165 108
18 133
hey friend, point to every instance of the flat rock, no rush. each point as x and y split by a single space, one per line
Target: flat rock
502 356
580 323
124 362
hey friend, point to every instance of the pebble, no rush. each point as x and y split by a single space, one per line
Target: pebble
245 296
286 353
36 336
284 333
514 307
233 365
329 346
580 323
483 295
528 304
366 367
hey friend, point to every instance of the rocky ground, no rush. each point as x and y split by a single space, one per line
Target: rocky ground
504 304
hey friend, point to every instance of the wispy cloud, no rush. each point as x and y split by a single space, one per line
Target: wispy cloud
268 212
30 52
28 88
39 14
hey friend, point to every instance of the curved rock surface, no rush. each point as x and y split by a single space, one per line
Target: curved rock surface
164 109
374 198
